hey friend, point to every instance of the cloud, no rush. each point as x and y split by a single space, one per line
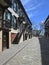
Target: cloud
32 14
35 7
25 2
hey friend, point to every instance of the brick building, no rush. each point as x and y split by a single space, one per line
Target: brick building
15 26
46 25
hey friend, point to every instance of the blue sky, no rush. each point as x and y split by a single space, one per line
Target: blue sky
37 10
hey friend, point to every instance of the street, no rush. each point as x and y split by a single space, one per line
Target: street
32 54
24 32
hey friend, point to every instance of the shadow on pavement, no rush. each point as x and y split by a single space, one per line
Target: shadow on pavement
44 45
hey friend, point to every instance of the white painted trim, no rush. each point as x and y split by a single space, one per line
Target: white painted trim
14 31
13 13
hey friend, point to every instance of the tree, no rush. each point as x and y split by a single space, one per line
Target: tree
42 28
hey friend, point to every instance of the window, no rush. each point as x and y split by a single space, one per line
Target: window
14 23
8 16
0 13
14 6
7 19
18 9
20 12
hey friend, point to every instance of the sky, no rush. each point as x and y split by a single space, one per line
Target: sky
37 11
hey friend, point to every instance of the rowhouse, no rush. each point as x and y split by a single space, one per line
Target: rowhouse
4 28
15 26
46 24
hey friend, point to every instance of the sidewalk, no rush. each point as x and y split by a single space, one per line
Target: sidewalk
6 55
36 52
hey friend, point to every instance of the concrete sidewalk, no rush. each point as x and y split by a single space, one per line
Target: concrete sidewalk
36 52
6 55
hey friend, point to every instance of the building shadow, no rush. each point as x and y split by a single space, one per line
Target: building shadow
44 45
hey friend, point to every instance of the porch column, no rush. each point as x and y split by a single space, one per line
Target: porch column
1 41
9 39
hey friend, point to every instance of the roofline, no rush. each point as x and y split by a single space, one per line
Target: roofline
24 10
46 19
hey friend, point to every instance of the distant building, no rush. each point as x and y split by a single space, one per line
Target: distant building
36 33
15 26
46 24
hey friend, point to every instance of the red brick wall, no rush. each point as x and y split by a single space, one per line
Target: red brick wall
13 35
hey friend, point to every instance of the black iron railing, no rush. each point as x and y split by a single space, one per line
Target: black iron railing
18 36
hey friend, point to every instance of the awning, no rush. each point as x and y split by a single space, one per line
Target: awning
12 12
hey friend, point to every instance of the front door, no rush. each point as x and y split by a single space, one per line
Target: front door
5 40
25 36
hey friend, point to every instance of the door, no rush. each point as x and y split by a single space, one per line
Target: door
25 36
29 36
5 40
